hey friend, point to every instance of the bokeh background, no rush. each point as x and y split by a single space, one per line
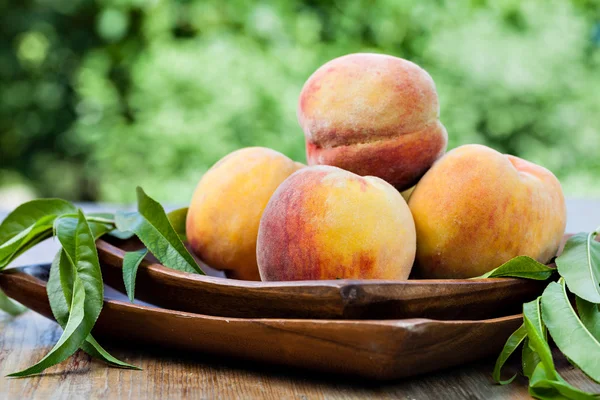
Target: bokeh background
97 97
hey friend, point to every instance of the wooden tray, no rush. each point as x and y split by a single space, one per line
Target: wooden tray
384 350
337 299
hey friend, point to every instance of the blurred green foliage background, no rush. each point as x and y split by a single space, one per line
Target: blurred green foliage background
97 97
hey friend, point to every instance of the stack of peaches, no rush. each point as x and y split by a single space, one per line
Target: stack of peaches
380 197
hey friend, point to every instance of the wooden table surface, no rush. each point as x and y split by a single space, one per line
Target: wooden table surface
27 338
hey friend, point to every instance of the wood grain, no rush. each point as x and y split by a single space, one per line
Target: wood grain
170 374
374 349
340 299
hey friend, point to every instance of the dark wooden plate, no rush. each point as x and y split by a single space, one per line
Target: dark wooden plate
338 299
388 349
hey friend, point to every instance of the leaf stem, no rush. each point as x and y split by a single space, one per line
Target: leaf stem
101 220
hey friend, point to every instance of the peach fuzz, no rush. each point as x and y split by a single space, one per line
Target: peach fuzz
327 223
372 114
477 208
223 217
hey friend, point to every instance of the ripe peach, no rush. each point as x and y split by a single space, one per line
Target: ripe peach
372 114
327 223
223 218
476 209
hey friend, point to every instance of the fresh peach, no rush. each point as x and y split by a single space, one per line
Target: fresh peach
477 208
223 217
372 114
327 223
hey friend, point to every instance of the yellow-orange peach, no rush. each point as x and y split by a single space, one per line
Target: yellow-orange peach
372 114
327 223
476 209
223 218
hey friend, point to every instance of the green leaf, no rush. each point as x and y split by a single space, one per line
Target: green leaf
58 303
27 214
544 381
123 235
69 341
29 231
521 267
511 345
131 262
590 316
13 247
67 272
99 229
113 232
536 334
541 386
569 333
104 215
66 276
94 349
579 265
529 359
24 247
28 225
78 242
9 306
178 218
152 226
79 248
60 310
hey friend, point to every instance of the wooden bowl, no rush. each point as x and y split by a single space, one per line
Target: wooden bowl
336 299
388 349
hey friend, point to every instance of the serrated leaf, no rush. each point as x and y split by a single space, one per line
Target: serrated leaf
29 231
579 265
112 232
521 267
78 242
544 382
60 310
67 272
178 218
529 359
541 386
22 249
100 229
27 238
56 297
511 345
131 262
152 227
68 342
27 214
568 332
79 248
9 306
536 334
589 313
28 225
